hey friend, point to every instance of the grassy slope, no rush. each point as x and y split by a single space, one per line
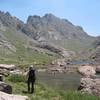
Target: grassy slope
74 44
23 55
42 92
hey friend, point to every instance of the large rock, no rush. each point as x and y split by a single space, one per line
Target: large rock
4 96
50 47
5 88
91 86
4 72
16 72
87 71
59 62
7 67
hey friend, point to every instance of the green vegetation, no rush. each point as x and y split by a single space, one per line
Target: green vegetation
28 58
16 78
42 92
23 55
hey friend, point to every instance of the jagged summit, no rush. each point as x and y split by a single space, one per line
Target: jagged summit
49 16
55 28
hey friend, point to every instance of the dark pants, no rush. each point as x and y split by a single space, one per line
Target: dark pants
31 85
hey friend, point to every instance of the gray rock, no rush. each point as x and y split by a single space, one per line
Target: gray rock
5 96
5 88
87 71
16 72
4 72
91 86
7 66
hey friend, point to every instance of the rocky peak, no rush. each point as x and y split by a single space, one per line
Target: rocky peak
53 27
79 28
49 16
33 18
6 18
8 14
66 21
9 21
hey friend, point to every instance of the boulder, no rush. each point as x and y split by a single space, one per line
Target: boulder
4 72
15 72
7 67
4 96
90 85
5 88
87 71
59 62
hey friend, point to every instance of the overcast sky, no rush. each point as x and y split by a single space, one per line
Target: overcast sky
85 13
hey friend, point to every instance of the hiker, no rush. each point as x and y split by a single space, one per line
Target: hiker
31 79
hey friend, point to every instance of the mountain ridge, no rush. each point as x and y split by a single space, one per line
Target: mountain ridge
40 33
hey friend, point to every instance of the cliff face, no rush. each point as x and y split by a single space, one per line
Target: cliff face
60 32
50 26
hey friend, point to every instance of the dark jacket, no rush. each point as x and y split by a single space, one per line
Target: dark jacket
31 75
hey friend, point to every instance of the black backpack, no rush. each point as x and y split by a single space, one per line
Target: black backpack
32 74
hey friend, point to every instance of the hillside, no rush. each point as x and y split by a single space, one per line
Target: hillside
40 39
16 47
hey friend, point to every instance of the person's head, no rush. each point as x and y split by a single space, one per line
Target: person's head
31 67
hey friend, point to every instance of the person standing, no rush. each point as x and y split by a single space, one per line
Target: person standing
31 79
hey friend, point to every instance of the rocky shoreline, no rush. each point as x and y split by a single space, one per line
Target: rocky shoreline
61 66
90 83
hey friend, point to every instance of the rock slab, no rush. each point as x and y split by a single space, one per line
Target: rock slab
4 96
87 71
5 88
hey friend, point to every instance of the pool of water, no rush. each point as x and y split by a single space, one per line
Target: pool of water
62 81
80 62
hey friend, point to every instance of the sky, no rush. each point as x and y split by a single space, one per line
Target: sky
85 13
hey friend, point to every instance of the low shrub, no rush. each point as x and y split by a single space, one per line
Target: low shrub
17 78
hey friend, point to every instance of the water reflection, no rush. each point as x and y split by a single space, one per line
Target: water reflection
64 81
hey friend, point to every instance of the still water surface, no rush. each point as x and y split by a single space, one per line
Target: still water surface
62 81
